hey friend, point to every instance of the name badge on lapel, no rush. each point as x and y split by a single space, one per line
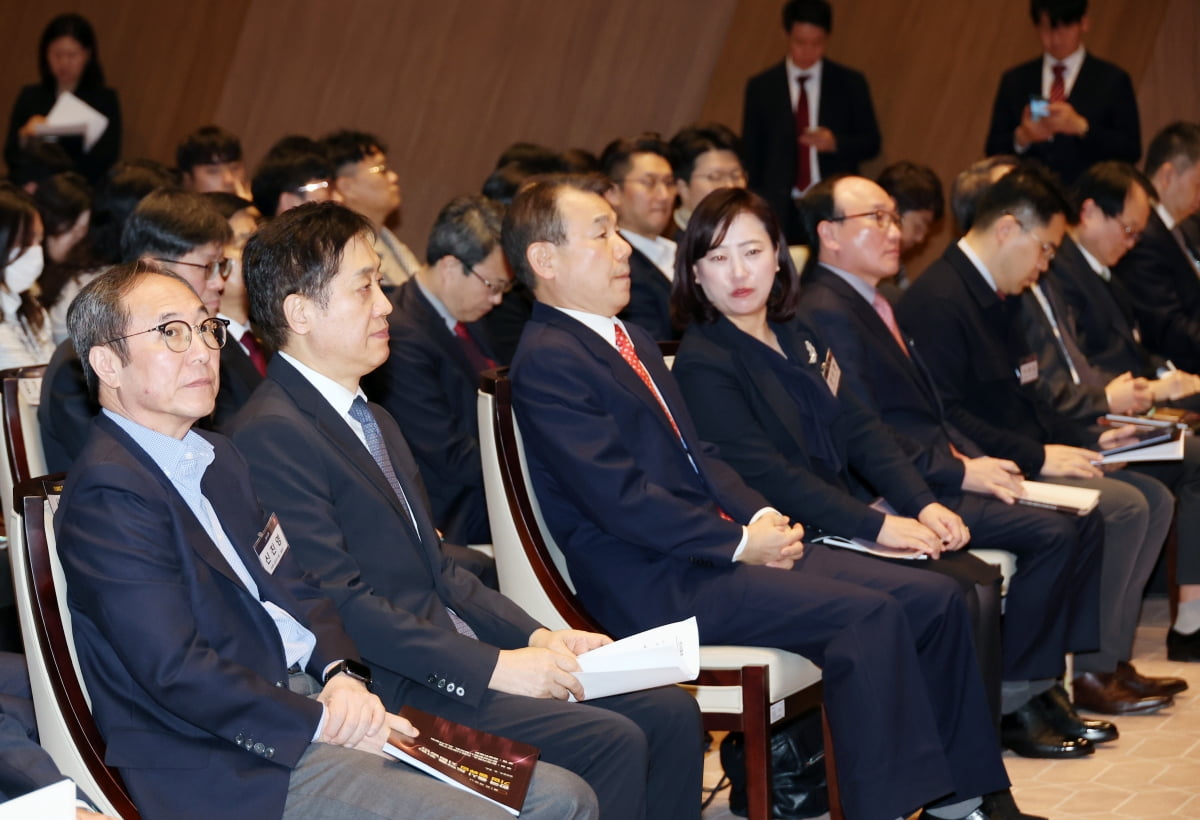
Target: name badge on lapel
832 372
271 545
1027 372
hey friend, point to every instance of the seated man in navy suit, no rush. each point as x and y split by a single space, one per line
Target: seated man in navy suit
1067 109
438 348
220 677
340 472
655 529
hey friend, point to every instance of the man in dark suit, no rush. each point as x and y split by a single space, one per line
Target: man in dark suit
340 472
219 674
643 194
1162 271
656 529
961 315
185 233
439 346
789 147
1085 110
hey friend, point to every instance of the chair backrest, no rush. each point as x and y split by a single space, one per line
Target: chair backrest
23 457
60 700
531 568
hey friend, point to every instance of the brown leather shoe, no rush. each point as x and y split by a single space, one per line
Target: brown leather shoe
1137 682
1105 694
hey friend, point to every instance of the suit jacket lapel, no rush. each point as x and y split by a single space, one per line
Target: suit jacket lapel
435 327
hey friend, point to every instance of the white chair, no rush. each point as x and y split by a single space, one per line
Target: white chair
23 457
60 701
740 688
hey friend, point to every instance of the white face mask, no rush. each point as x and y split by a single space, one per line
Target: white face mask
23 271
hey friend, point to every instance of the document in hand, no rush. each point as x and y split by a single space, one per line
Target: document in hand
1060 497
869 547
53 802
71 116
1152 444
493 767
656 657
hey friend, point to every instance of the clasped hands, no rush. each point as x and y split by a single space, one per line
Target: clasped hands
1061 119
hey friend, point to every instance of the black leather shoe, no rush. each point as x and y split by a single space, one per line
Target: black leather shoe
1002 806
1135 681
1061 715
1104 693
1184 648
1027 733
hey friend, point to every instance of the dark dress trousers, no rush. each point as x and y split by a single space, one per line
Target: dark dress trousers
637 511
66 407
430 388
185 669
36 99
1165 288
393 584
769 134
1102 93
649 298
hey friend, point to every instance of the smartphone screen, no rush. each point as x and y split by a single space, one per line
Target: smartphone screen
1039 108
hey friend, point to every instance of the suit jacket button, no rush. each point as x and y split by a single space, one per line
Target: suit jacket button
259 749
238 740
441 683
270 753
432 679
279 683
459 691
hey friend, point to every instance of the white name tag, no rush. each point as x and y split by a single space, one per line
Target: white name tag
1028 371
832 372
271 545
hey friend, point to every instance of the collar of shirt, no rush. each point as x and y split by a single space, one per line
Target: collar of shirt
183 461
659 250
978 263
601 325
862 288
438 306
1073 62
1100 270
236 329
1164 215
339 398
813 72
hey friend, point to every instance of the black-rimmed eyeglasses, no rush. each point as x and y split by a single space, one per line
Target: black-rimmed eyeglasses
501 287
222 267
177 334
883 219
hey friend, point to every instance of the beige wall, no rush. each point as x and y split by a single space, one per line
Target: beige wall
448 84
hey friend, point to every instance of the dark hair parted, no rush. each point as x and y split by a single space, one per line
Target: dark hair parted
969 185
171 222
814 12
285 172
617 156
300 252
60 200
1028 192
127 184
227 204
694 141
1057 12
706 229
207 145
1178 144
914 187
1107 184
80 30
533 217
467 228
816 207
39 160
99 315
346 147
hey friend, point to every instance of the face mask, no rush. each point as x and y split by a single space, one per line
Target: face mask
23 271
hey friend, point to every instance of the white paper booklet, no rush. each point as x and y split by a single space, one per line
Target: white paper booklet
656 657
1061 497
53 802
71 115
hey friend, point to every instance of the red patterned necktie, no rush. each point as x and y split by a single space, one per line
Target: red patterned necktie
1058 88
803 155
479 359
254 352
625 348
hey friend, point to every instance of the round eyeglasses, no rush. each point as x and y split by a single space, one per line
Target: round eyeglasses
177 334
222 267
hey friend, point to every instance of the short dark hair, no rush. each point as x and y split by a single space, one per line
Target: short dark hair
1178 141
39 160
1107 184
970 184
98 314
816 207
467 228
17 213
815 12
298 251
126 184
227 204
297 143
580 161
706 228
283 172
532 158
60 200
914 187
171 222
502 184
534 216
1057 12
694 141
346 147
207 145
80 30
617 156
1027 191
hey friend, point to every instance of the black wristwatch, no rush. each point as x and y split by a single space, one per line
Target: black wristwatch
356 670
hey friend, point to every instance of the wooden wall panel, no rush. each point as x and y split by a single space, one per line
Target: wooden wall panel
1170 87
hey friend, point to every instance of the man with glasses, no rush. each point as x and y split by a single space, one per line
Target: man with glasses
219 674
368 185
643 194
438 349
704 158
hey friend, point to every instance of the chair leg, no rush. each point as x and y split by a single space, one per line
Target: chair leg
756 729
1172 550
831 779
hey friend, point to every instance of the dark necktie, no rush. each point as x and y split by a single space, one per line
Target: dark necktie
479 360
254 351
360 412
1058 86
803 169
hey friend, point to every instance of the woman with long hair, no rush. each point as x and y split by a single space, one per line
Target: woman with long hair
24 329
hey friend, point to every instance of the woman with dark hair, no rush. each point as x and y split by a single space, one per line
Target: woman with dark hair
64 201
24 330
68 60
